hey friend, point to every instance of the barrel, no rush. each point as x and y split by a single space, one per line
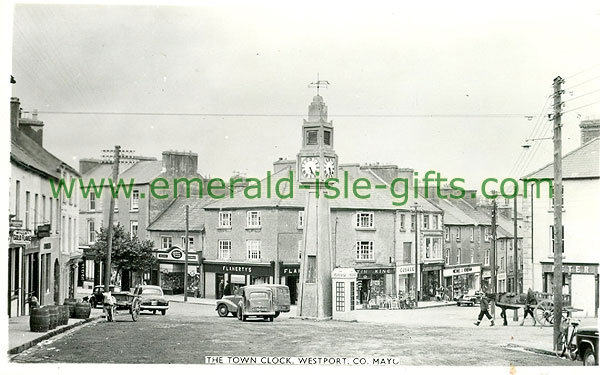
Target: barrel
70 302
63 315
53 314
39 320
82 310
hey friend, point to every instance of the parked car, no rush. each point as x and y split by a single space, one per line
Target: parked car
587 345
281 300
470 299
97 298
152 298
256 301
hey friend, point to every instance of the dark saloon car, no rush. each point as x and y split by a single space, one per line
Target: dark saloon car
587 345
97 298
152 298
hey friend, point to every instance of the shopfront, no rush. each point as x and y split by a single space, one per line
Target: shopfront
486 281
373 282
406 278
460 279
289 275
171 266
431 280
220 277
580 282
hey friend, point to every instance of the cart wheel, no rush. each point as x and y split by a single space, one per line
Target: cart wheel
544 313
135 310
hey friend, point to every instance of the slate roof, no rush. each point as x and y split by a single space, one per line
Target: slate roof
453 215
583 162
173 218
142 172
28 153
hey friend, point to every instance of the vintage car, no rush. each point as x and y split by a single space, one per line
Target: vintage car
587 345
97 298
281 300
152 298
470 299
256 301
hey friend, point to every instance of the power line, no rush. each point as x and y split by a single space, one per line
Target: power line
583 71
583 106
581 83
579 96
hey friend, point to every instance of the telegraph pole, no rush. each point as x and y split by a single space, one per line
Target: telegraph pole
186 240
416 253
493 260
111 213
558 191
515 246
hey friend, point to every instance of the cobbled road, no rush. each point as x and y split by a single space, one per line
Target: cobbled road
189 332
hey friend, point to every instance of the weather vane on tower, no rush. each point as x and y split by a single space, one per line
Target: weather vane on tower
319 83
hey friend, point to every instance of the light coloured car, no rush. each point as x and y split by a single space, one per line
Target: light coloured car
152 298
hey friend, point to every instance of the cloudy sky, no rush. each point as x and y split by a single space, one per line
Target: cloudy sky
441 87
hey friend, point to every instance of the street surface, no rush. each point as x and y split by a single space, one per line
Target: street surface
189 332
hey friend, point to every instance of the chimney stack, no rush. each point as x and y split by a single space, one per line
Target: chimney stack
590 129
180 163
34 129
15 113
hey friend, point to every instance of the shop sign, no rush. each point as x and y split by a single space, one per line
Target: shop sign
403 270
292 270
571 268
176 254
240 269
487 273
20 237
374 271
461 270
16 223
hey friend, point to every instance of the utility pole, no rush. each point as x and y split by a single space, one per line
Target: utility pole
111 213
516 255
558 191
493 260
186 240
416 253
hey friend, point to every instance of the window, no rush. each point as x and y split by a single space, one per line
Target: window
413 219
402 222
486 234
300 249
437 248
352 295
447 257
253 219
225 219
36 213
91 232
135 200
364 220
312 137
458 234
48 264
327 137
486 258
166 242
435 222
43 209
339 296
27 204
133 228
17 200
552 239
224 249
92 201
501 263
57 215
191 242
509 267
364 250
425 221
472 255
472 237
428 245
89 270
300 219
253 249
51 213
458 256
446 234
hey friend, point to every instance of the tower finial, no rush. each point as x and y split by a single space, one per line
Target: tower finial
319 83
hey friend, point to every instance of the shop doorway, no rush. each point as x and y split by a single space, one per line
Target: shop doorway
56 282
219 285
292 283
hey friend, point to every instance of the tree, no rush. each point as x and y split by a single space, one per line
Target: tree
129 254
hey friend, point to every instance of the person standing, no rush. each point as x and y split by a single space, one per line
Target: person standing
530 304
484 305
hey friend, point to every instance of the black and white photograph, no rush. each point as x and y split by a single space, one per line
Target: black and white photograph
301 186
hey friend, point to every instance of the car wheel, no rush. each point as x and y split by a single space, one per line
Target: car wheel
163 312
277 314
222 310
589 359
154 312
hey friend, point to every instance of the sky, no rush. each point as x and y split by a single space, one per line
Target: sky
455 88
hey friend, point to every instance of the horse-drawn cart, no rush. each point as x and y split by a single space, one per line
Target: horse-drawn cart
543 312
123 301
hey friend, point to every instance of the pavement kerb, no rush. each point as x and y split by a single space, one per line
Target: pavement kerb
531 349
207 303
57 331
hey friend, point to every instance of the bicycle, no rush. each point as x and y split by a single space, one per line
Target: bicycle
565 343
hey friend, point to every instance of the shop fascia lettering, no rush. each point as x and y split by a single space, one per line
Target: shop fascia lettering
291 271
237 269
574 268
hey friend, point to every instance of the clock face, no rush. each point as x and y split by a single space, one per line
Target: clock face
310 167
329 167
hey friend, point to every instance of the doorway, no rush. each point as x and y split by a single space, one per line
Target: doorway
56 282
292 283
219 285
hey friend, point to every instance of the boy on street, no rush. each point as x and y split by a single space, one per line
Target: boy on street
483 305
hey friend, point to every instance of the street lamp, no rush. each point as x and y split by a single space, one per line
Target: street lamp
416 206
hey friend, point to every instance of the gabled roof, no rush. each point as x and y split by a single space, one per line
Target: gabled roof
453 215
583 162
142 172
173 218
29 154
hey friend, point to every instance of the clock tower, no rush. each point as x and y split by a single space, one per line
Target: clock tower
316 162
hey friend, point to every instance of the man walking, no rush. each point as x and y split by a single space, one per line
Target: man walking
530 304
483 305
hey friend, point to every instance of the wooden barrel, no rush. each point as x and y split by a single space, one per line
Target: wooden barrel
53 315
39 319
63 315
70 302
82 310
